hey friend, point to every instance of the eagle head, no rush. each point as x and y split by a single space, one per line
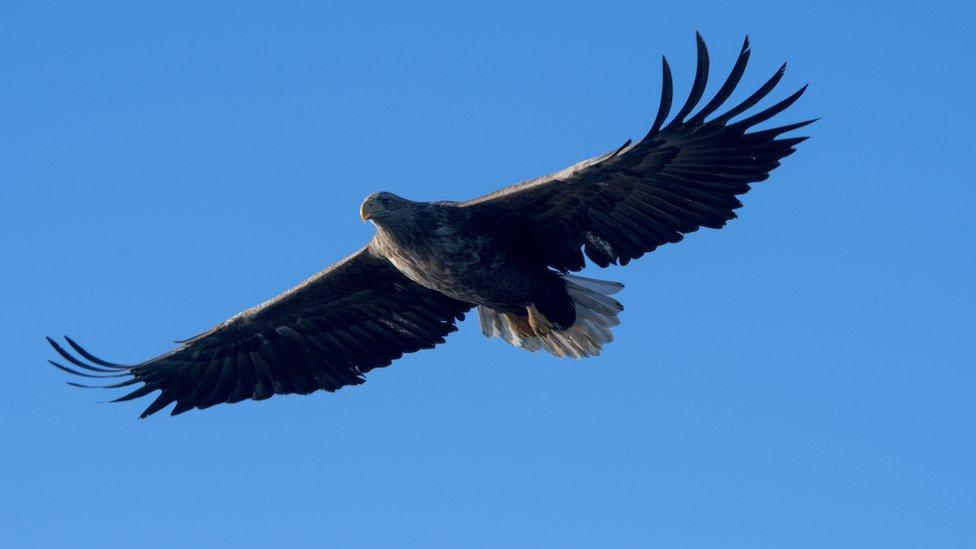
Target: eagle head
383 207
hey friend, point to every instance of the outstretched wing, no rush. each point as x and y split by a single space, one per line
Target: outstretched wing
325 333
623 204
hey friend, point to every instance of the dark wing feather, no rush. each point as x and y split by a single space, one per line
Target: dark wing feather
682 176
325 333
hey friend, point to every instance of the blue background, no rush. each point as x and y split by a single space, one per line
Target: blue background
802 378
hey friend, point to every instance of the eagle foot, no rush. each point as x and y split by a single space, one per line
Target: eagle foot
521 325
539 323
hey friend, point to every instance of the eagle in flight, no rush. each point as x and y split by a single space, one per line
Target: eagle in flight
509 253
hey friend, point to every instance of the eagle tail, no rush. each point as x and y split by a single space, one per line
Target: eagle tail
596 313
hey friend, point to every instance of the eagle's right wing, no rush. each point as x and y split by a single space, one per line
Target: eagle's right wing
679 177
359 314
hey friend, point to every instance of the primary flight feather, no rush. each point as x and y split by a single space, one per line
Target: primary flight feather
509 253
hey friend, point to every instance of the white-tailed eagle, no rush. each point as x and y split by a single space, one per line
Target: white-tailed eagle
509 253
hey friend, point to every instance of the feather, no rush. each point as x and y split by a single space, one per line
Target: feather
770 112
667 90
698 87
727 88
757 96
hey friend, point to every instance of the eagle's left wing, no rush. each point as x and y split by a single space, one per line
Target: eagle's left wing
359 314
623 204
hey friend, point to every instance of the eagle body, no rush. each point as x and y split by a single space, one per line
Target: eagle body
511 254
431 245
443 247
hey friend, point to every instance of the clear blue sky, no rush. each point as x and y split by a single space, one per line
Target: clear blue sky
802 378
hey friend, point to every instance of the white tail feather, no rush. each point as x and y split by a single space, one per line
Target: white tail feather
596 313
